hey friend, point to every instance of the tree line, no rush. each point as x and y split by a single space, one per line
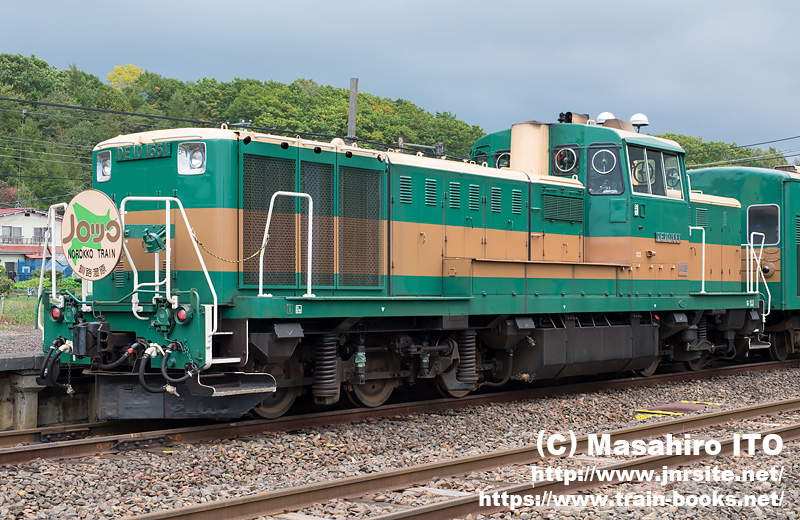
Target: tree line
45 150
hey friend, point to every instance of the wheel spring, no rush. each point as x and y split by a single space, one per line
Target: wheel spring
702 329
326 385
467 370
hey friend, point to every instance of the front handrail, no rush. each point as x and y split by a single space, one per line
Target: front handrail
167 282
308 293
49 233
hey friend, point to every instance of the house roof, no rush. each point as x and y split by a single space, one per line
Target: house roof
6 212
20 249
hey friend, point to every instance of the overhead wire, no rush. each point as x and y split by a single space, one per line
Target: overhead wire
47 153
46 160
194 121
39 142
737 147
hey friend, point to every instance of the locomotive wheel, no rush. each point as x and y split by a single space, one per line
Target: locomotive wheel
699 363
450 393
779 350
650 370
281 400
374 392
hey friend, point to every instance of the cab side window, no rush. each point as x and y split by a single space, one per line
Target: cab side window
502 159
654 172
672 174
764 218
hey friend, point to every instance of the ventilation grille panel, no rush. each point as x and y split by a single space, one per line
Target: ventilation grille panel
360 225
557 207
261 177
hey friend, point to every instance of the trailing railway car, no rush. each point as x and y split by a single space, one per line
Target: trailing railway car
771 222
559 250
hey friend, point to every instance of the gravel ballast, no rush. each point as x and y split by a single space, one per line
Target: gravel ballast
142 481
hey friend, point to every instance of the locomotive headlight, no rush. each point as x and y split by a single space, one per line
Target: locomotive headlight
191 158
196 159
103 166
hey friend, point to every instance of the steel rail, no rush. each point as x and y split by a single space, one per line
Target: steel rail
107 437
462 506
292 499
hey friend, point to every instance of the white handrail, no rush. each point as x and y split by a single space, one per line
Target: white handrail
754 273
173 299
308 293
51 225
703 242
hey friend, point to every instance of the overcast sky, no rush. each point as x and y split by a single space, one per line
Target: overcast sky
724 71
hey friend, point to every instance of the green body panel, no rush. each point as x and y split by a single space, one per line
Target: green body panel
759 186
159 177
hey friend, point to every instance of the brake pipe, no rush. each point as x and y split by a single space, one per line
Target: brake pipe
152 351
49 376
189 373
43 373
124 357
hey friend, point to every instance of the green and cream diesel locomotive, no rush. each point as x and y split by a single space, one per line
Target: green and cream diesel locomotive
227 270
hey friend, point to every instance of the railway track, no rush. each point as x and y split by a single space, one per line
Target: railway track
17 447
293 499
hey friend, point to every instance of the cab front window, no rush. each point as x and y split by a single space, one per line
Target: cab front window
604 175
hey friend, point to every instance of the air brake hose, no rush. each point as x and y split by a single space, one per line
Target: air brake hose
152 351
508 373
167 354
142 365
53 348
50 376
124 357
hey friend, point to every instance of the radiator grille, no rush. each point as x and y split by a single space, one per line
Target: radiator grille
474 197
497 201
701 217
430 192
261 177
797 249
516 202
360 241
455 195
317 179
557 207
119 272
405 190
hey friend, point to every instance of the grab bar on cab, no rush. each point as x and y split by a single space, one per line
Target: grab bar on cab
308 293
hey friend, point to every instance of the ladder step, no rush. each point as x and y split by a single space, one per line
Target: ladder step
223 360
222 385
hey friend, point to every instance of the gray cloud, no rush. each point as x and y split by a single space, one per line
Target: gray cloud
723 71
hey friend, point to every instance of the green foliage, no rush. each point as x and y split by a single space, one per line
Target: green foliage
62 282
47 153
124 76
5 285
19 310
717 153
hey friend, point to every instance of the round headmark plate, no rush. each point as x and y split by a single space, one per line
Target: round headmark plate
91 235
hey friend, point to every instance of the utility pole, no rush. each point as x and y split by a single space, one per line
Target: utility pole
21 133
351 115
